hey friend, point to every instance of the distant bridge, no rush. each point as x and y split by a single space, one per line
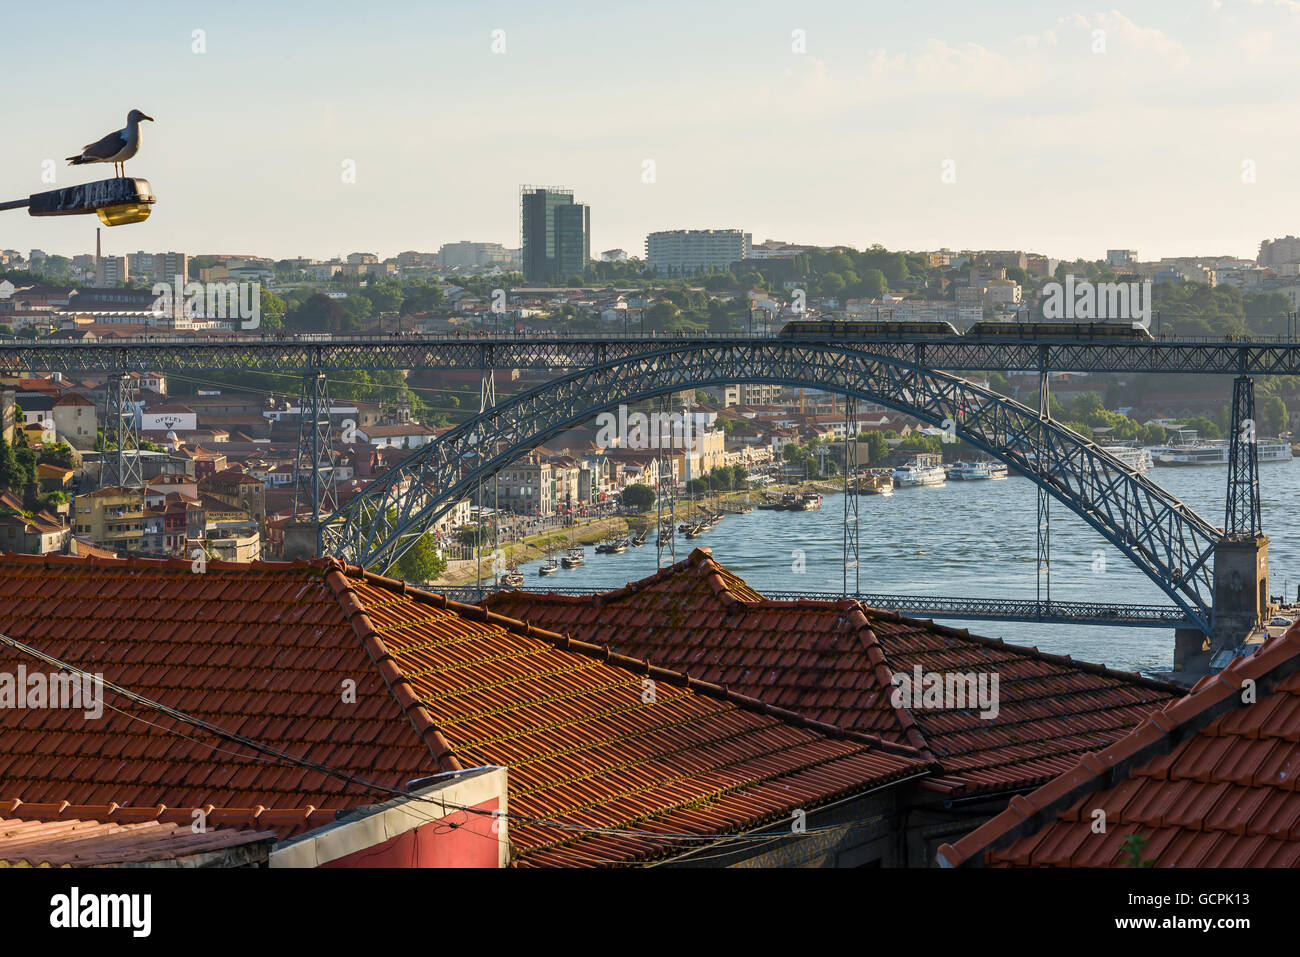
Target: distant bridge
312 353
917 606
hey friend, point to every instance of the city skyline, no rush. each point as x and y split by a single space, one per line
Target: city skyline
1149 138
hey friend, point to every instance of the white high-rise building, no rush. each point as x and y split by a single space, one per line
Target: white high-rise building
686 252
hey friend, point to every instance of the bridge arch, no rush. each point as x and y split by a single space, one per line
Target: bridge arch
1164 538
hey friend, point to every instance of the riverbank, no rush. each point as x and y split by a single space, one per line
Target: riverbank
556 540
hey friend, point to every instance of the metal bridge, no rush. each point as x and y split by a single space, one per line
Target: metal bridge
1167 541
1164 538
911 606
308 354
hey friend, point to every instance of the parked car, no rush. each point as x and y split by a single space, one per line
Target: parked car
1277 620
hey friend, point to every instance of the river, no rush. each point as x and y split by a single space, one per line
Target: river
970 539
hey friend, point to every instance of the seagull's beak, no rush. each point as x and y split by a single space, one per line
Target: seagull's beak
149 118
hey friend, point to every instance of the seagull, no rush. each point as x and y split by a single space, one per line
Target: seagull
116 147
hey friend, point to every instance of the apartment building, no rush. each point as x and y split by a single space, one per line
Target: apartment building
686 252
527 487
112 517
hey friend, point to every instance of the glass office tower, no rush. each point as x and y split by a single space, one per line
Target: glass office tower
556 234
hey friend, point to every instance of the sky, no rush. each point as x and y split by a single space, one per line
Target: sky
1166 126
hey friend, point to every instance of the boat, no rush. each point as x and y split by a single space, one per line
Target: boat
1187 449
618 546
1134 456
770 505
976 471
513 578
807 503
549 567
873 483
577 555
639 538
695 531
922 470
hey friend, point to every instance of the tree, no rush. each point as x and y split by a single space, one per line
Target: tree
639 497
1272 415
1205 428
319 313
471 535
11 476
272 310
660 315
877 448
59 454
51 501
421 562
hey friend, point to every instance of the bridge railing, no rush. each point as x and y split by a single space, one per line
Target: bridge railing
611 336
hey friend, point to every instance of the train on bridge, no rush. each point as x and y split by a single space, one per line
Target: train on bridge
984 331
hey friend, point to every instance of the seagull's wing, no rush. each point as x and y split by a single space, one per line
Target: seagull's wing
110 145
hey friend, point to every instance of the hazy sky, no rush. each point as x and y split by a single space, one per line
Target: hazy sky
1055 147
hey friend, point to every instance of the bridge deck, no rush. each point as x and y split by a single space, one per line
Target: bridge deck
967 609
1257 356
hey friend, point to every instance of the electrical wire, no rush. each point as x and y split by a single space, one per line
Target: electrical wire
283 757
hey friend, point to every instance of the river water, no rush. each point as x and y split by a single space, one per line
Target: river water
970 539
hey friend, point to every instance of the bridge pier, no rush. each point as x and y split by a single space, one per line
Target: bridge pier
119 463
313 479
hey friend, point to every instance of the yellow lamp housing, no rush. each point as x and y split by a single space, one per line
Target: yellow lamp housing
124 214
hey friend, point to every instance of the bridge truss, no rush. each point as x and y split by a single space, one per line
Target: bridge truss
305 354
1164 538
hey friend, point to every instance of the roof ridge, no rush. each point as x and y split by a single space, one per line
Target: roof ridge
1159 733
399 685
875 651
112 812
637 665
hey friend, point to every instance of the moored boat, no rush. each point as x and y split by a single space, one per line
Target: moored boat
922 470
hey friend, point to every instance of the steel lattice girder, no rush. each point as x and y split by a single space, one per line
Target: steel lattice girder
343 353
996 609
1169 542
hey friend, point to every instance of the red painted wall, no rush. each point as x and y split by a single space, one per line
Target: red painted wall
460 839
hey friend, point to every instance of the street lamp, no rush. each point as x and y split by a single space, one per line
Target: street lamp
115 201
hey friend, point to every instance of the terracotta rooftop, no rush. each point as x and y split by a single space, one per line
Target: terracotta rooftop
266 651
1206 781
833 660
44 840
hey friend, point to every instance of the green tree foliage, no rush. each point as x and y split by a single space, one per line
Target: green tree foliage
1272 415
12 476
421 296
421 562
1205 428
58 454
877 447
639 497
319 313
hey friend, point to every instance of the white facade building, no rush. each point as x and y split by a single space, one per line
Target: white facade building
685 252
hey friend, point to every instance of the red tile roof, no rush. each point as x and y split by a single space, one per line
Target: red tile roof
1206 781
833 660
265 651
47 841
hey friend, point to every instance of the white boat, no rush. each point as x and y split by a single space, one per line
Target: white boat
976 471
1135 457
923 470
1186 450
